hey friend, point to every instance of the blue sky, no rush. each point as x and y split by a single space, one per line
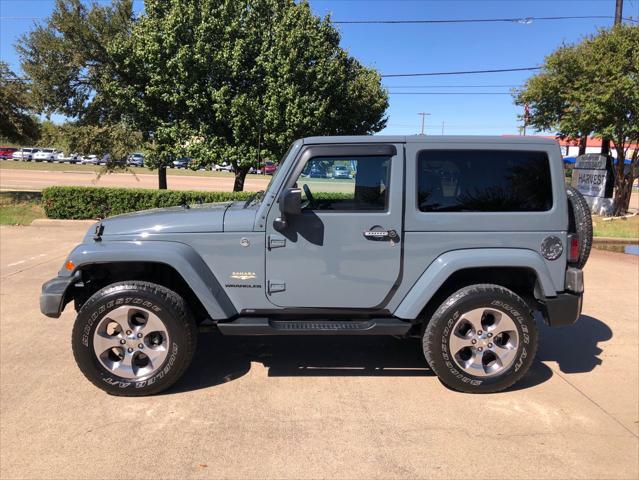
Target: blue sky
396 49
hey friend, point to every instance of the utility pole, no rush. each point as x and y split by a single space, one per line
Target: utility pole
618 11
423 114
442 127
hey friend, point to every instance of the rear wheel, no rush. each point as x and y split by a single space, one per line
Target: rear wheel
134 338
482 339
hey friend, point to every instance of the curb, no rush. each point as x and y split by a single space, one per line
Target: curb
608 240
54 222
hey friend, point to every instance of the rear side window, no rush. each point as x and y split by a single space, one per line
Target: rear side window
483 181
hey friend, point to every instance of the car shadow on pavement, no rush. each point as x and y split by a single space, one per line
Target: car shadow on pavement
222 359
575 348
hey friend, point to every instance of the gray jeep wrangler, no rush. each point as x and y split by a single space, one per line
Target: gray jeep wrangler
461 241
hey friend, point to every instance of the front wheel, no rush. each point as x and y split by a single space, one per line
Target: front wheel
482 339
134 338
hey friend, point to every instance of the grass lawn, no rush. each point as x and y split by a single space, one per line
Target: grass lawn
20 209
621 228
69 167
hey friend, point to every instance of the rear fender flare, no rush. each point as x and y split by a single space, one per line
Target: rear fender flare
448 263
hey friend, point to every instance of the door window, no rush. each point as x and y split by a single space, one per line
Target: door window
345 183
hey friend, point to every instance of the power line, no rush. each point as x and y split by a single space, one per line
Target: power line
453 86
521 20
466 72
449 93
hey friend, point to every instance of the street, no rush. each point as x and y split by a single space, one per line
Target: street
316 407
38 179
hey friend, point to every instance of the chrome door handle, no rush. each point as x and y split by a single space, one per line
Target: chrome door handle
380 234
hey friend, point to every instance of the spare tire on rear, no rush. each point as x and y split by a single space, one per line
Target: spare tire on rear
579 223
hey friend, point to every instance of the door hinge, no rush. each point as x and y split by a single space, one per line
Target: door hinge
276 287
274 242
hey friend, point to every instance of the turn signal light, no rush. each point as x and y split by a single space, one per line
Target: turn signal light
69 265
573 251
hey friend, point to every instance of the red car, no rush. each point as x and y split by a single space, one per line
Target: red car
7 152
269 168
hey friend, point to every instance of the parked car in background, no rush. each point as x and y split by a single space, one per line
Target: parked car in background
269 168
183 162
71 158
24 154
7 152
104 159
224 167
317 170
45 155
89 160
341 171
135 160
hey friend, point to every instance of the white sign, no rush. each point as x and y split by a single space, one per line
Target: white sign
590 182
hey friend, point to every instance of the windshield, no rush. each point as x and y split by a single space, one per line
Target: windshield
257 198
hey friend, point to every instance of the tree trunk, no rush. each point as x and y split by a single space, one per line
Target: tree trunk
583 141
605 146
623 183
240 176
162 178
623 190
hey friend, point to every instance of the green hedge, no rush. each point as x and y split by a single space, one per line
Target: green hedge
80 203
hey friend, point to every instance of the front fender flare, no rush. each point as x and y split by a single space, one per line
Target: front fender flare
183 258
448 263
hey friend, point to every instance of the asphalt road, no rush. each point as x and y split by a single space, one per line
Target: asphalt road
38 179
316 408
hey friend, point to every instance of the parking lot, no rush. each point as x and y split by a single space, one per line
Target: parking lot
316 407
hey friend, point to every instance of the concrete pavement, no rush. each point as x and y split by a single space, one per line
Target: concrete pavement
316 407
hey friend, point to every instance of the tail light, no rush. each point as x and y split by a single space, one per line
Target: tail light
573 250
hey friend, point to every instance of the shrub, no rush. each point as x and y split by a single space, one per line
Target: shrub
81 203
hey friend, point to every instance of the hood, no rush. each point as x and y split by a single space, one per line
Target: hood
192 219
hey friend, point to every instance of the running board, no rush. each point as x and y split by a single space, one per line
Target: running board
266 326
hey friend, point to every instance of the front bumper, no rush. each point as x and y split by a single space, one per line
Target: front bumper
54 295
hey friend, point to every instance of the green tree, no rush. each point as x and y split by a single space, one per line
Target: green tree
117 140
592 88
17 123
68 61
238 81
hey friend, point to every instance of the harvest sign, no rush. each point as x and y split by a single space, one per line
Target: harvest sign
593 177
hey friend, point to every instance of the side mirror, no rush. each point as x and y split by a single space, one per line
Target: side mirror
290 204
291 201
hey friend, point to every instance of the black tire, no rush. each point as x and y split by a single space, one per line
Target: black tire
171 310
436 340
579 223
